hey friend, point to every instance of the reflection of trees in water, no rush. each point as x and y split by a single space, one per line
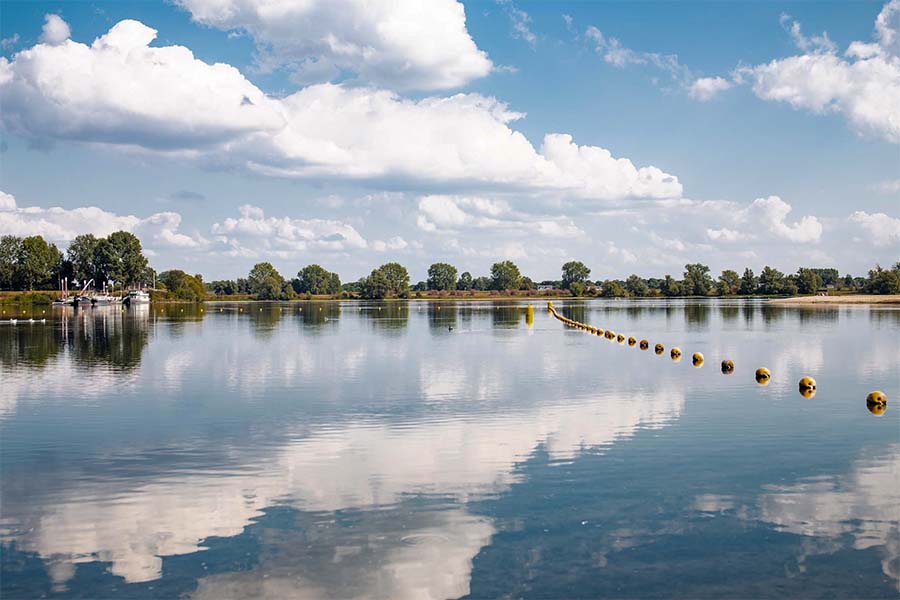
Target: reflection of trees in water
728 311
884 316
509 315
576 312
812 314
264 318
108 335
28 344
315 315
386 316
696 315
771 314
748 310
441 315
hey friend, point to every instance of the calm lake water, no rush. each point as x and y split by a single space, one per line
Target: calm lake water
442 450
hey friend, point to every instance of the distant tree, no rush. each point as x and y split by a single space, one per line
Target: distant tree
225 287
421 286
729 282
397 277
848 281
104 262
313 279
654 283
574 272
749 283
670 287
771 281
334 284
266 283
36 262
465 281
129 262
808 281
613 289
577 288
791 285
527 284
697 281
481 283
182 286
81 254
441 276
829 276
636 286
10 251
883 281
377 285
505 276
355 287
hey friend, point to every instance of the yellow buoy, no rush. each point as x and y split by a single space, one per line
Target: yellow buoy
631 341
620 338
675 353
763 376
807 387
644 344
600 331
659 348
697 359
876 397
876 409
727 366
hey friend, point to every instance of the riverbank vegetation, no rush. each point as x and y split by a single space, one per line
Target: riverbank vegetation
118 262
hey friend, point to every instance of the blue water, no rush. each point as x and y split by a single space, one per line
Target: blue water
443 450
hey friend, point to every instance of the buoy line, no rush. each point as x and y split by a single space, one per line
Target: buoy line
876 401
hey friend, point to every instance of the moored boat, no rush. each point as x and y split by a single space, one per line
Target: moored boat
137 297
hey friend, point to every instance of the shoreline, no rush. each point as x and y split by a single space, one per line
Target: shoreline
837 300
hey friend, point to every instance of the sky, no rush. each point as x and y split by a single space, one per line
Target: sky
633 136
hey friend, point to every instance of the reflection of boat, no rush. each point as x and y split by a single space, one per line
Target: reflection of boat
104 299
137 297
82 301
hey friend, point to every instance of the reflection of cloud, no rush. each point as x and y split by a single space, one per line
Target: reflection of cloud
431 560
861 506
359 465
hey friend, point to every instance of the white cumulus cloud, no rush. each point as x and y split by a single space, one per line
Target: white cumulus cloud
880 228
399 43
707 88
55 30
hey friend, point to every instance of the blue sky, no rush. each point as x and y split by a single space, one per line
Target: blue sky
737 134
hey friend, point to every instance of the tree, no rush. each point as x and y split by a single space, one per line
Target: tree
612 289
313 279
36 262
670 287
482 283
265 282
104 261
574 272
225 287
636 286
441 276
829 276
697 280
577 288
749 283
883 281
396 276
10 251
130 262
377 285
465 281
527 284
729 282
420 287
808 281
81 255
505 276
771 281
182 286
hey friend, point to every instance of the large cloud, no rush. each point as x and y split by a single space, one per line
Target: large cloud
863 84
62 225
121 91
399 43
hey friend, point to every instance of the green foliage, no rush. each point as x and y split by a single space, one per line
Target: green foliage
224 287
10 251
129 262
670 287
749 283
387 280
182 286
481 284
465 281
577 288
442 276
313 279
636 286
527 284
574 272
81 256
729 283
697 281
377 286
613 289
808 281
884 281
771 281
505 276
266 283
36 264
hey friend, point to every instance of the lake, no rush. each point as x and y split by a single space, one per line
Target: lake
443 450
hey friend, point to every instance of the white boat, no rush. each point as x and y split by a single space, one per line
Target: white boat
104 299
137 297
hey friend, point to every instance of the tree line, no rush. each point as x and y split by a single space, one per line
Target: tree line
30 263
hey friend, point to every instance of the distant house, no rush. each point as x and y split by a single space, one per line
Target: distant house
545 286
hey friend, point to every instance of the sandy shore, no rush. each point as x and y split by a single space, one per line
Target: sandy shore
850 299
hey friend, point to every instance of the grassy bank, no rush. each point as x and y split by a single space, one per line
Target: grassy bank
29 298
843 299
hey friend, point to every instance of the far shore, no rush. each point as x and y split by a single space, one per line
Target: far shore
847 299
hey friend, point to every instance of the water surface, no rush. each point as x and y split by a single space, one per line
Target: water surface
442 450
